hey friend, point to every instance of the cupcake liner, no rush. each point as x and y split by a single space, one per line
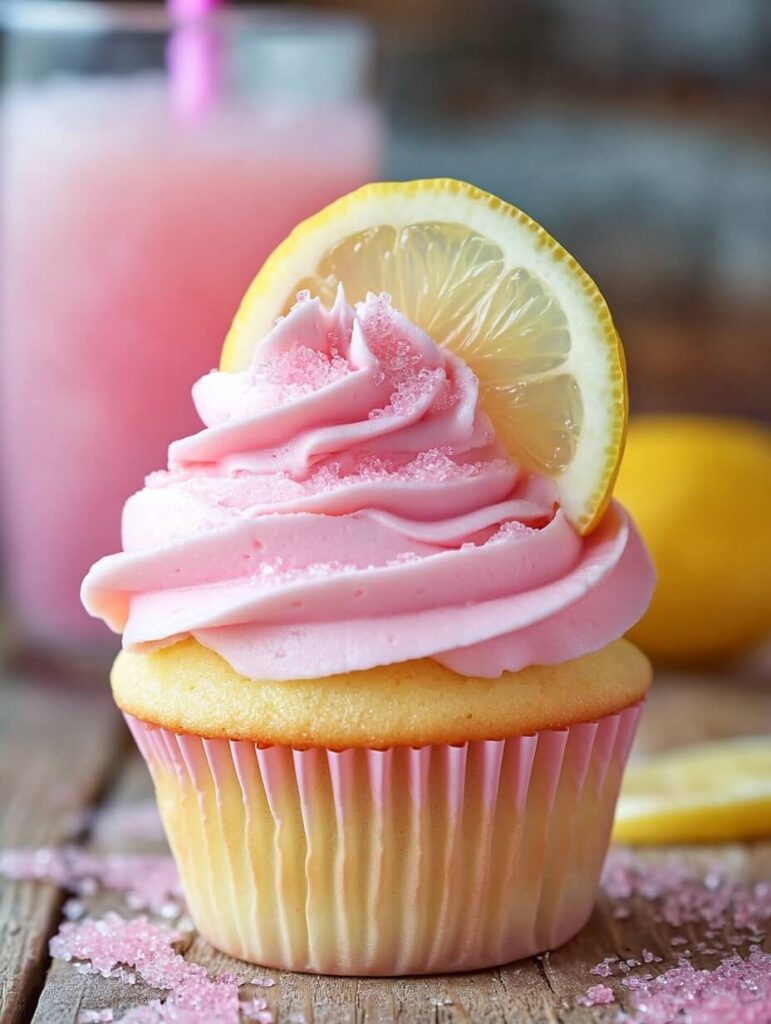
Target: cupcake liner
399 861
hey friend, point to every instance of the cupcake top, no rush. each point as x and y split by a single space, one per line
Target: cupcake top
348 506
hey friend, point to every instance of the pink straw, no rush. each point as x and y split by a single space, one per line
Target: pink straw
193 58
184 10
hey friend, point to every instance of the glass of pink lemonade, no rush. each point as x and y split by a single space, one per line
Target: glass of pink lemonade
148 170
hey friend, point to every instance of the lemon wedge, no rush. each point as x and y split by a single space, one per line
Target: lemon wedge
485 280
709 792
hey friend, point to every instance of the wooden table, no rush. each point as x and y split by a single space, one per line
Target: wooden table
64 753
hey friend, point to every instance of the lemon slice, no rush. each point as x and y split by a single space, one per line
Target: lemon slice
488 282
703 793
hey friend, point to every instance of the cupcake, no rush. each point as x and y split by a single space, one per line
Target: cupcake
372 612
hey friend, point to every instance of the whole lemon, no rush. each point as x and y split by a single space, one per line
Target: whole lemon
700 491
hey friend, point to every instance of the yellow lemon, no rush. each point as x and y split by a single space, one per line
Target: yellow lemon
488 282
700 492
709 792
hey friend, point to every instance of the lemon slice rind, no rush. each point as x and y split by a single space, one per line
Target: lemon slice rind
595 360
708 792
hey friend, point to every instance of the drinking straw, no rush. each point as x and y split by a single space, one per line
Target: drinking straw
193 58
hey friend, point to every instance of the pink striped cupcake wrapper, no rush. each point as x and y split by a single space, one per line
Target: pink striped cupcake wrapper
385 862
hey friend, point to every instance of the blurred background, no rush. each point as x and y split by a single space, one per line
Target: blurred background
638 133
149 164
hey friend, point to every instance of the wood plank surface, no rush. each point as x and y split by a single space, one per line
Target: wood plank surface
66 991
541 990
57 749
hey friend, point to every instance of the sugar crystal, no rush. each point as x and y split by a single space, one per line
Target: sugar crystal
510 530
602 969
683 896
252 1009
598 995
148 882
109 945
74 909
736 990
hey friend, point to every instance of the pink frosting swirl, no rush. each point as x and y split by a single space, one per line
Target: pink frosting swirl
347 505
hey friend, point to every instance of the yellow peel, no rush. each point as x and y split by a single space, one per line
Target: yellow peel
709 792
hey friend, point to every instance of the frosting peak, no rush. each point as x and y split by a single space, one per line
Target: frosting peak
328 382
347 505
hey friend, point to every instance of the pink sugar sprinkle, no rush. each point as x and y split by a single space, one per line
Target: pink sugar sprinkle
112 941
511 529
147 882
602 970
736 991
412 391
433 466
598 995
635 981
256 1009
650 958
401 363
254 1005
246 491
109 945
447 396
393 349
297 372
686 896
95 1016
262 982
74 909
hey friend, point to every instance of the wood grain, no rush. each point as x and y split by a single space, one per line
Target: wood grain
685 709
58 748
65 991
542 990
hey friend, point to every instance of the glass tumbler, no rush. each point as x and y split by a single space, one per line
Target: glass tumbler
149 167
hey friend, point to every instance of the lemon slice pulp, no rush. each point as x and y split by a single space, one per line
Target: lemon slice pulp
485 280
708 792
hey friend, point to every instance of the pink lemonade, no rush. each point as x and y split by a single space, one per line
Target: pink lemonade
128 241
